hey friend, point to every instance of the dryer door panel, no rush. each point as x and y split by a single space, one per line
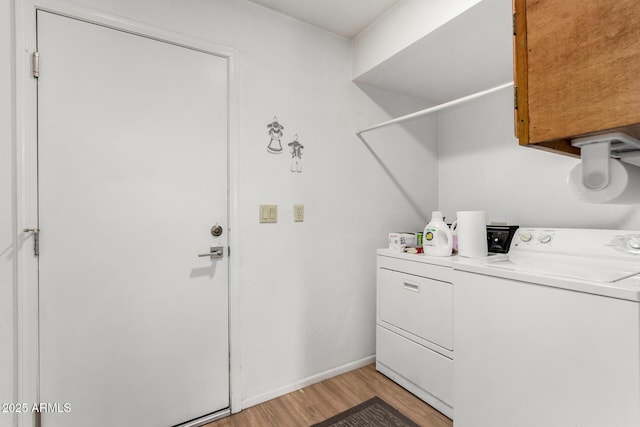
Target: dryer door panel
418 305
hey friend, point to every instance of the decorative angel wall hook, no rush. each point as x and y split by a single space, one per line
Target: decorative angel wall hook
275 132
295 148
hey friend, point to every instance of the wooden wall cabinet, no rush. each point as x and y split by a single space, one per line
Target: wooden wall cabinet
577 70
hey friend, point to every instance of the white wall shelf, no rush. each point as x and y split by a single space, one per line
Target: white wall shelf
467 54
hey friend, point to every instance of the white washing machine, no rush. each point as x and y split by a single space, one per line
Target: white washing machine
549 334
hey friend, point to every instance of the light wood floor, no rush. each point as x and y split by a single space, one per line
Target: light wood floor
323 400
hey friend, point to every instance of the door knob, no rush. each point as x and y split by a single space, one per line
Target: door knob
215 252
216 230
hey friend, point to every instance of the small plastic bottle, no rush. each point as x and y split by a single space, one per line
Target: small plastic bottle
437 239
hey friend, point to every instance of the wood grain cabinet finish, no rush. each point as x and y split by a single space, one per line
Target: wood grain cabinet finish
577 70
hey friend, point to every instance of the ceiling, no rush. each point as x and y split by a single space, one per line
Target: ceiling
346 18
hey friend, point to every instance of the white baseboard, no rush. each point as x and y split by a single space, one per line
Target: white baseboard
255 400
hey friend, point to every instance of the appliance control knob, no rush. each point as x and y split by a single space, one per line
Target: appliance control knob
545 238
525 237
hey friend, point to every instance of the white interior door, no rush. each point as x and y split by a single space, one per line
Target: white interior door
132 164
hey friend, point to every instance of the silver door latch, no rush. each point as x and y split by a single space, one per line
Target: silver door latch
215 252
36 239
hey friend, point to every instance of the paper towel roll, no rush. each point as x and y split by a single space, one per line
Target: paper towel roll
623 188
472 233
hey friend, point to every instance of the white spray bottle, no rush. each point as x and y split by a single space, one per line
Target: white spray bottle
437 239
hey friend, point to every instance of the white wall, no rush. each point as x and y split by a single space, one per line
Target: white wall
402 25
307 290
408 153
7 226
482 167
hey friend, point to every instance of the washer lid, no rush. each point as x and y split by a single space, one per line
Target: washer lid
571 267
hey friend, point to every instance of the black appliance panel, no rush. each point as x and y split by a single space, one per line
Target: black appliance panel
499 238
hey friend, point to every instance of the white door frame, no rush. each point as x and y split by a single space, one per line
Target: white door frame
26 182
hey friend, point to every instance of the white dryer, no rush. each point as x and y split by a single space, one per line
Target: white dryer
549 334
414 332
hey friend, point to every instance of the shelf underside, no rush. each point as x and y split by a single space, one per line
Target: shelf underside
470 53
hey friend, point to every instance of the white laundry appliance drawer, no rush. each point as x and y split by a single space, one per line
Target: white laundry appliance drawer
424 372
418 305
414 318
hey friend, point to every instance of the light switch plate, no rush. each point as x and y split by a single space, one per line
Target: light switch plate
268 214
298 213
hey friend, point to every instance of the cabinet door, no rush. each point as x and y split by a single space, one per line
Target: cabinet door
577 66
